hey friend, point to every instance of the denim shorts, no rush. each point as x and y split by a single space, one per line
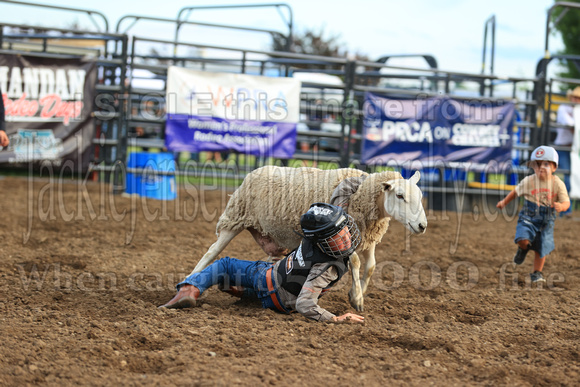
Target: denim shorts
536 224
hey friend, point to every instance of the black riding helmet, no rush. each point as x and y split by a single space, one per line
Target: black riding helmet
323 225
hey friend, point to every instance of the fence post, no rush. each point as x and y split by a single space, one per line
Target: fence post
546 127
122 132
349 70
540 97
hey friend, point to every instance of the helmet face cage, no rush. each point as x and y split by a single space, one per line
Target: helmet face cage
344 239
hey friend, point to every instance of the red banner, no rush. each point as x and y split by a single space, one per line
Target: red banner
48 104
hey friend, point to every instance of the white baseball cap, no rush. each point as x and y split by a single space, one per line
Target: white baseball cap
546 153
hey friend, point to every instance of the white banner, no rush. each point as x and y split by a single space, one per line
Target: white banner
232 96
575 157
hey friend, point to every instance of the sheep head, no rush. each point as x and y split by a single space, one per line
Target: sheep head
402 201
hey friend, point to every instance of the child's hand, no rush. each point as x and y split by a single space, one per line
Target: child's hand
349 318
500 204
559 207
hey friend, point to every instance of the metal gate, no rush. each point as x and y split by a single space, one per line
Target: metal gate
330 129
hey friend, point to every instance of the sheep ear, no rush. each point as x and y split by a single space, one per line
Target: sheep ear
415 178
388 185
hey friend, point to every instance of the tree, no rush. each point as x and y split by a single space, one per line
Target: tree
312 42
569 29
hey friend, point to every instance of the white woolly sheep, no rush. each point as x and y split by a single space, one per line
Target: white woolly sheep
271 199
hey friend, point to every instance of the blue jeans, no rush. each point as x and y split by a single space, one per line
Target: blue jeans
565 163
536 224
251 275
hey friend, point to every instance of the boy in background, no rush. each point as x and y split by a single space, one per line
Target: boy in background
544 194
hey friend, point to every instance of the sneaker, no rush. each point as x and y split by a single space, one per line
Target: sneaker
520 256
537 276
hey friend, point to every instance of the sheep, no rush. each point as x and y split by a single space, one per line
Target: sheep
271 199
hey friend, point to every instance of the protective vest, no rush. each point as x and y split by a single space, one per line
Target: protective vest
293 270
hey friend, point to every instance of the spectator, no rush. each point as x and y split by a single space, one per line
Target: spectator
4 141
565 136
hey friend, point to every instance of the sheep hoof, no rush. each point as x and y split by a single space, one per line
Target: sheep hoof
356 302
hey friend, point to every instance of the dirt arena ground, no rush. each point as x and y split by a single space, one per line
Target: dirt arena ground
82 273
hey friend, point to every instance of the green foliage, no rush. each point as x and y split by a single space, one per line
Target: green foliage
569 29
311 42
316 42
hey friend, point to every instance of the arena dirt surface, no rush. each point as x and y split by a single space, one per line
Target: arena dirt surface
78 303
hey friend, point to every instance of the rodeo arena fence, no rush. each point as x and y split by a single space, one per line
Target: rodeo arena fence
119 108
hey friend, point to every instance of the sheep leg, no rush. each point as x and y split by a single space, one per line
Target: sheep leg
370 264
224 238
355 295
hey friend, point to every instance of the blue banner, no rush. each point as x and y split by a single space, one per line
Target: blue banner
199 133
437 130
